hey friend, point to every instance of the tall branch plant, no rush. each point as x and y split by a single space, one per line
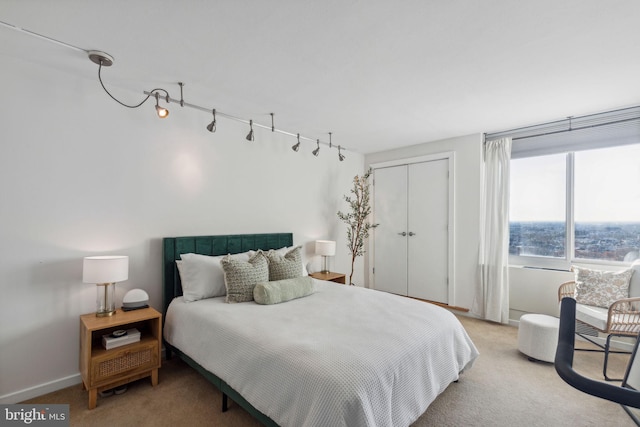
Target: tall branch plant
356 218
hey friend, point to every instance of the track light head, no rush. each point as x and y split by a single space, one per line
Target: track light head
296 147
317 150
162 112
340 155
211 127
250 136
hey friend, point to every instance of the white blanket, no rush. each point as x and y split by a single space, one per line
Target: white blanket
343 356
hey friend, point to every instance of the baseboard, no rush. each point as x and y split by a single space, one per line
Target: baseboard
49 387
39 390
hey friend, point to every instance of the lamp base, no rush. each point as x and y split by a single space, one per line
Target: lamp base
325 264
105 313
105 301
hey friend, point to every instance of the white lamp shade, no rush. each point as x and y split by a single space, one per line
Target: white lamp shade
325 247
105 269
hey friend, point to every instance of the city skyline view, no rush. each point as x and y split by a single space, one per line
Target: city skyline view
611 241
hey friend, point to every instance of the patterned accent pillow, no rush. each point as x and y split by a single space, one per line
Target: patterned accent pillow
240 277
287 266
601 288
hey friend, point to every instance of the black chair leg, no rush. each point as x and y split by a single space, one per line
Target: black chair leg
225 402
606 359
607 350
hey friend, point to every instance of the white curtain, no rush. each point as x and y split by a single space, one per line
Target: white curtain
491 300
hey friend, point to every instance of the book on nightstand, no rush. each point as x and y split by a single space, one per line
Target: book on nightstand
110 341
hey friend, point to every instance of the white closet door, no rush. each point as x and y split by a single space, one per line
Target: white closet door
428 230
390 213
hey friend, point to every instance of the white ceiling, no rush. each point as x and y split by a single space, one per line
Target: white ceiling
377 74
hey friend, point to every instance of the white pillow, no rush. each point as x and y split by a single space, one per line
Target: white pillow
202 275
283 252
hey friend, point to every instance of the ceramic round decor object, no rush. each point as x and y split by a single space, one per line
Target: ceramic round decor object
135 298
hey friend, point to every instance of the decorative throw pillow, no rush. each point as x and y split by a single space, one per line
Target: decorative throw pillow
286 266
240 277
283 290
283 251
202 276
601 288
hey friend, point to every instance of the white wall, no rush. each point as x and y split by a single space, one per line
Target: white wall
80 175
468 150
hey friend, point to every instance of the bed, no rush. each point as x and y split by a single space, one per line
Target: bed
341 356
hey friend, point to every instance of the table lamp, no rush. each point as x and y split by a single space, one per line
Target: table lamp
105 271
326 248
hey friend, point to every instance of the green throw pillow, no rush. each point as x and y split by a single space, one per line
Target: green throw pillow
282 290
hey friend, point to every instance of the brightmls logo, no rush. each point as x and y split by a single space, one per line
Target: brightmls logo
37 415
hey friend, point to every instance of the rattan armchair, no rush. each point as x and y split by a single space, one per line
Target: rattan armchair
621 319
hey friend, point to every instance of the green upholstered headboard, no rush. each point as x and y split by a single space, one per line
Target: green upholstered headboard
173 247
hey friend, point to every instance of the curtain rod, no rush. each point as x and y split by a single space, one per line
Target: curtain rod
615 122
569 119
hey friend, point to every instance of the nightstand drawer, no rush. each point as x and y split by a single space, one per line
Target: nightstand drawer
130 359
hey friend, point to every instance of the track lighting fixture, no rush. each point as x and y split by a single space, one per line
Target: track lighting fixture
296 147
211 127
162 112
250 134
103 59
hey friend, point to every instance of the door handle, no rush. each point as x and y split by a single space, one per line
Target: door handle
411 233
403 233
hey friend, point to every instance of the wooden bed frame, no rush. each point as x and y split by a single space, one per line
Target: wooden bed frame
172 248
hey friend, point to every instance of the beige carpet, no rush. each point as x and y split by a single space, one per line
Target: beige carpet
502 389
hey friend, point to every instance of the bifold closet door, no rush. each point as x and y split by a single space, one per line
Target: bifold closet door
428 230
411 238
390 245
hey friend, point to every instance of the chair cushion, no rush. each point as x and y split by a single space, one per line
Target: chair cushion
594 316
601 288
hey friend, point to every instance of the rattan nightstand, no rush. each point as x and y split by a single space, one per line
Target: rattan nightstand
105 369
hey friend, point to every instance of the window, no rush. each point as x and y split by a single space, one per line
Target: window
576 206
607 203
537 209
575 190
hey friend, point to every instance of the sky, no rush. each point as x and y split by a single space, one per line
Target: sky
607 186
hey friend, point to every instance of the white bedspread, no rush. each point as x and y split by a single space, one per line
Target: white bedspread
343 356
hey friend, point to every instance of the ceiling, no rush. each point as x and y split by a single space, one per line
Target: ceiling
377 74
